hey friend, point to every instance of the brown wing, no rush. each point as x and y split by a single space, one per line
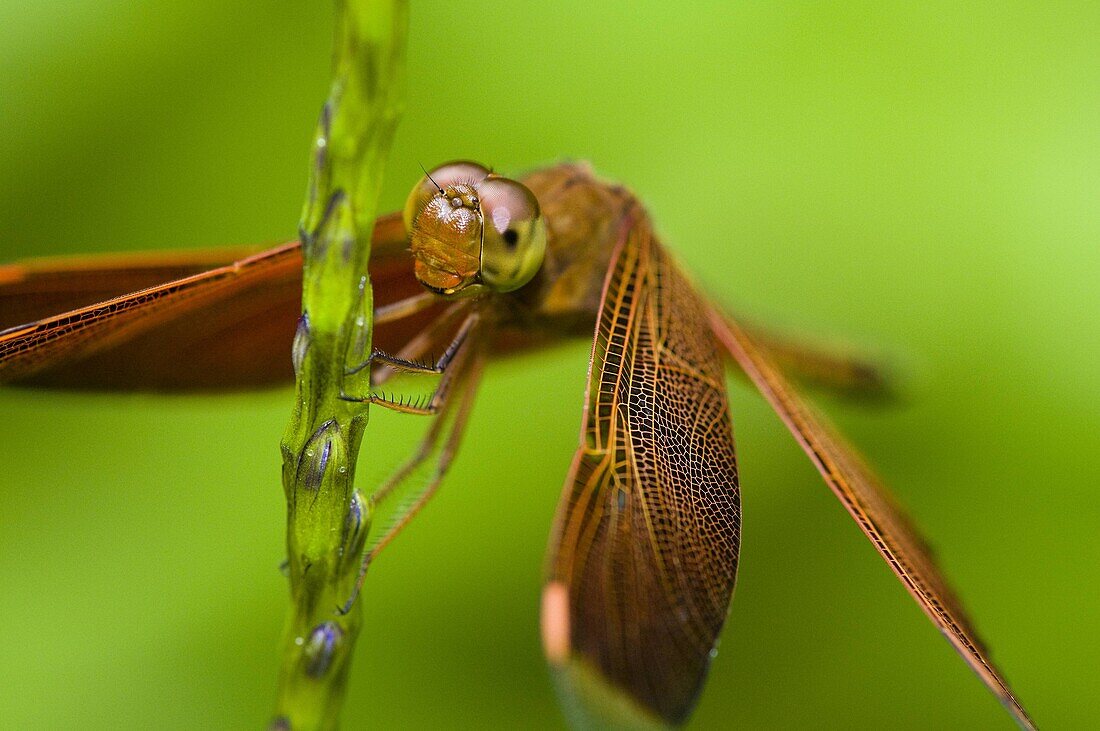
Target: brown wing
643 555
36 289
878 516
173 322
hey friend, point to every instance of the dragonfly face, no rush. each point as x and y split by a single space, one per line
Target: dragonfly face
471 231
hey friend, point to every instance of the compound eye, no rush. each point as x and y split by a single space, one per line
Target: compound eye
443 176
514 238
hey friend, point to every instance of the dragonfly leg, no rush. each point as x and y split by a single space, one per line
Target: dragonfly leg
414 350
405 361
442 440
445 365
404 308
440 365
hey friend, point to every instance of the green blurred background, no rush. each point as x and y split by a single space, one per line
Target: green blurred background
922 178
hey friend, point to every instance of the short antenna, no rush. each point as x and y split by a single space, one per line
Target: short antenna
429 177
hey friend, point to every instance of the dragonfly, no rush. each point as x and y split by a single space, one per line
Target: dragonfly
643 553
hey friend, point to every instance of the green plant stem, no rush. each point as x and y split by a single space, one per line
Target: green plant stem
326 519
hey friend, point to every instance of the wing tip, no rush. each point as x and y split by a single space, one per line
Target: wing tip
1023 720
588 698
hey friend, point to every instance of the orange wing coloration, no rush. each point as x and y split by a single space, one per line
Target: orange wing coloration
872 507
643 555
102 343
175 322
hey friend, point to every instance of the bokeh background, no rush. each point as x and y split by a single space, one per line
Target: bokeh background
922 179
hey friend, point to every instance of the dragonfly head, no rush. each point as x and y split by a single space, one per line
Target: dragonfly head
472 231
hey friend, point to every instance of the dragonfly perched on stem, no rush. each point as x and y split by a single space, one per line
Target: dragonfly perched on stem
643 554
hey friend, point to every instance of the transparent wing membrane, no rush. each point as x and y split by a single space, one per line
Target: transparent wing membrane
175 321
875 511
644 550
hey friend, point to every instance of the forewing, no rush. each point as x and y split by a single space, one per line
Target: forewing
874 510
239 292
174 321
36 289
643 555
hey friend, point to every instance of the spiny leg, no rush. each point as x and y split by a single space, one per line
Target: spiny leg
441 405
463 405
413 366
449 424
446 365
405 362
416 348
